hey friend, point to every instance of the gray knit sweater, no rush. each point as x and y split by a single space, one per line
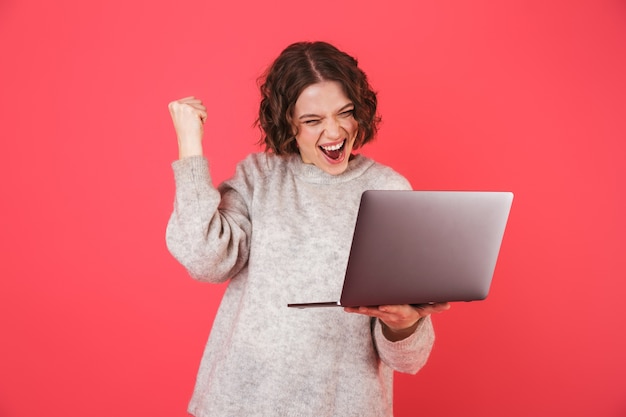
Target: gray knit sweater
280 230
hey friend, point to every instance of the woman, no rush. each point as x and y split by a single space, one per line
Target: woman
280 230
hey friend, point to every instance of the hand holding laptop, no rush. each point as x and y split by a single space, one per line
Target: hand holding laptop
399 321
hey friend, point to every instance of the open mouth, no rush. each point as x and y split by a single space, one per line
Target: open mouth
334 152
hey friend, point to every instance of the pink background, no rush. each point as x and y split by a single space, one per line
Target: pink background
97 319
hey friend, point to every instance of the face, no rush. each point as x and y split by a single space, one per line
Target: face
325 125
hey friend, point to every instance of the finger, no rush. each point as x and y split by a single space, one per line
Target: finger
439 307
202 112
384 310
178 102
356 309
180 109
198 107
187 101
433 305
190 99
367 311
392 309
396 318
194 105
403 311
177 105
433 308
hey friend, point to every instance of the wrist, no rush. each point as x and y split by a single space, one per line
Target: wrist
395 335
187 150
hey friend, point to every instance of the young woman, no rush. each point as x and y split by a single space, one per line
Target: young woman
280 230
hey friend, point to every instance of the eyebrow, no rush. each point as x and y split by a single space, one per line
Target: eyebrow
344 108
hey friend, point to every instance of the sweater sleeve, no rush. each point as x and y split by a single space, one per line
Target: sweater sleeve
408 355
208 230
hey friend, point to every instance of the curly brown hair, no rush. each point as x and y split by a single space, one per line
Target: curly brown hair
297 67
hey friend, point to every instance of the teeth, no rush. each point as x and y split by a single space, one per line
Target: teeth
333 147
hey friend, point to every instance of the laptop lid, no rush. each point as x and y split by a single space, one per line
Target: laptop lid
416 247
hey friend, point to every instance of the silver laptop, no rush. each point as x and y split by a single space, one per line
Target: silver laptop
419 247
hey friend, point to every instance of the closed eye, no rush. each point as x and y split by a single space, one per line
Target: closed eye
347 113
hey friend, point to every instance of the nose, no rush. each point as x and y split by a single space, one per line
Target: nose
332 128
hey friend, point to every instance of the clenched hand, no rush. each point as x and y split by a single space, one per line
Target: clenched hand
188 115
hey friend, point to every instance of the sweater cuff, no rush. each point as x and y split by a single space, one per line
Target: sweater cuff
406 342
191 169
406 355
